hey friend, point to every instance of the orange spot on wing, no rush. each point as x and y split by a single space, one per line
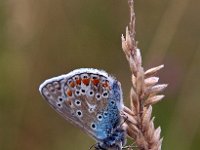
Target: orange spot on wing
78 81
68 102
86 81
72 84
95 82
69 92
105 84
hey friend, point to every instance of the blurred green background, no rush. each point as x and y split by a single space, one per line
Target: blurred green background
42 38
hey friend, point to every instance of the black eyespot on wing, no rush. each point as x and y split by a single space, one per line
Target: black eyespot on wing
59 105
76 77
79 113
105 114
77 102
93 126
91 110
112 102
91 93
85 77
60 99
83 91
93 76
99 117
77 93
105 94
98 96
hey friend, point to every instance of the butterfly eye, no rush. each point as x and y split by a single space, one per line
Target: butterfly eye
77 102
99 117
105 94
98 96
79 113
93 126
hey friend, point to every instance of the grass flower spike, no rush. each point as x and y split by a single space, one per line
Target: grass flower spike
145 92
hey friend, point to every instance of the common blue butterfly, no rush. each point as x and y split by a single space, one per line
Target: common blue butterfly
92 100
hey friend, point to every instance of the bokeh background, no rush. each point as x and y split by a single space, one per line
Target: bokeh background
40 39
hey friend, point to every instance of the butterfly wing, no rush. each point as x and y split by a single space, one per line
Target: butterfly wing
88 98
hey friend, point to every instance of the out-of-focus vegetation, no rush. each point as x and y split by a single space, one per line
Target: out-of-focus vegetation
41 39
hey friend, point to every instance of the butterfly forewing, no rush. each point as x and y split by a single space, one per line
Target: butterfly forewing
82 97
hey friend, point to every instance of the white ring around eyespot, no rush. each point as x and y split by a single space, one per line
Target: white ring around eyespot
75 77
59 105
77 101
90 93
100 117
83 91
103 94
77 113
91 110
77 92
98 96
60 99
105 114
93 126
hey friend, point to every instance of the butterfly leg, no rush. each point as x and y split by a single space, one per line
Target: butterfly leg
96 147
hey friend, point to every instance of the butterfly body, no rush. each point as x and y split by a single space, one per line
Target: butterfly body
90 99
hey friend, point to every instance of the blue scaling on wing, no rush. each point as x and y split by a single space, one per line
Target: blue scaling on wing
109 128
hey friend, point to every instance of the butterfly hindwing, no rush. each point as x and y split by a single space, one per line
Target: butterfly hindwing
89 98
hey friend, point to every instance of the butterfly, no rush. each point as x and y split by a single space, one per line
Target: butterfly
92 100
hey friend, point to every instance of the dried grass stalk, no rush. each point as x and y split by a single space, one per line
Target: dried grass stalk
143 94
